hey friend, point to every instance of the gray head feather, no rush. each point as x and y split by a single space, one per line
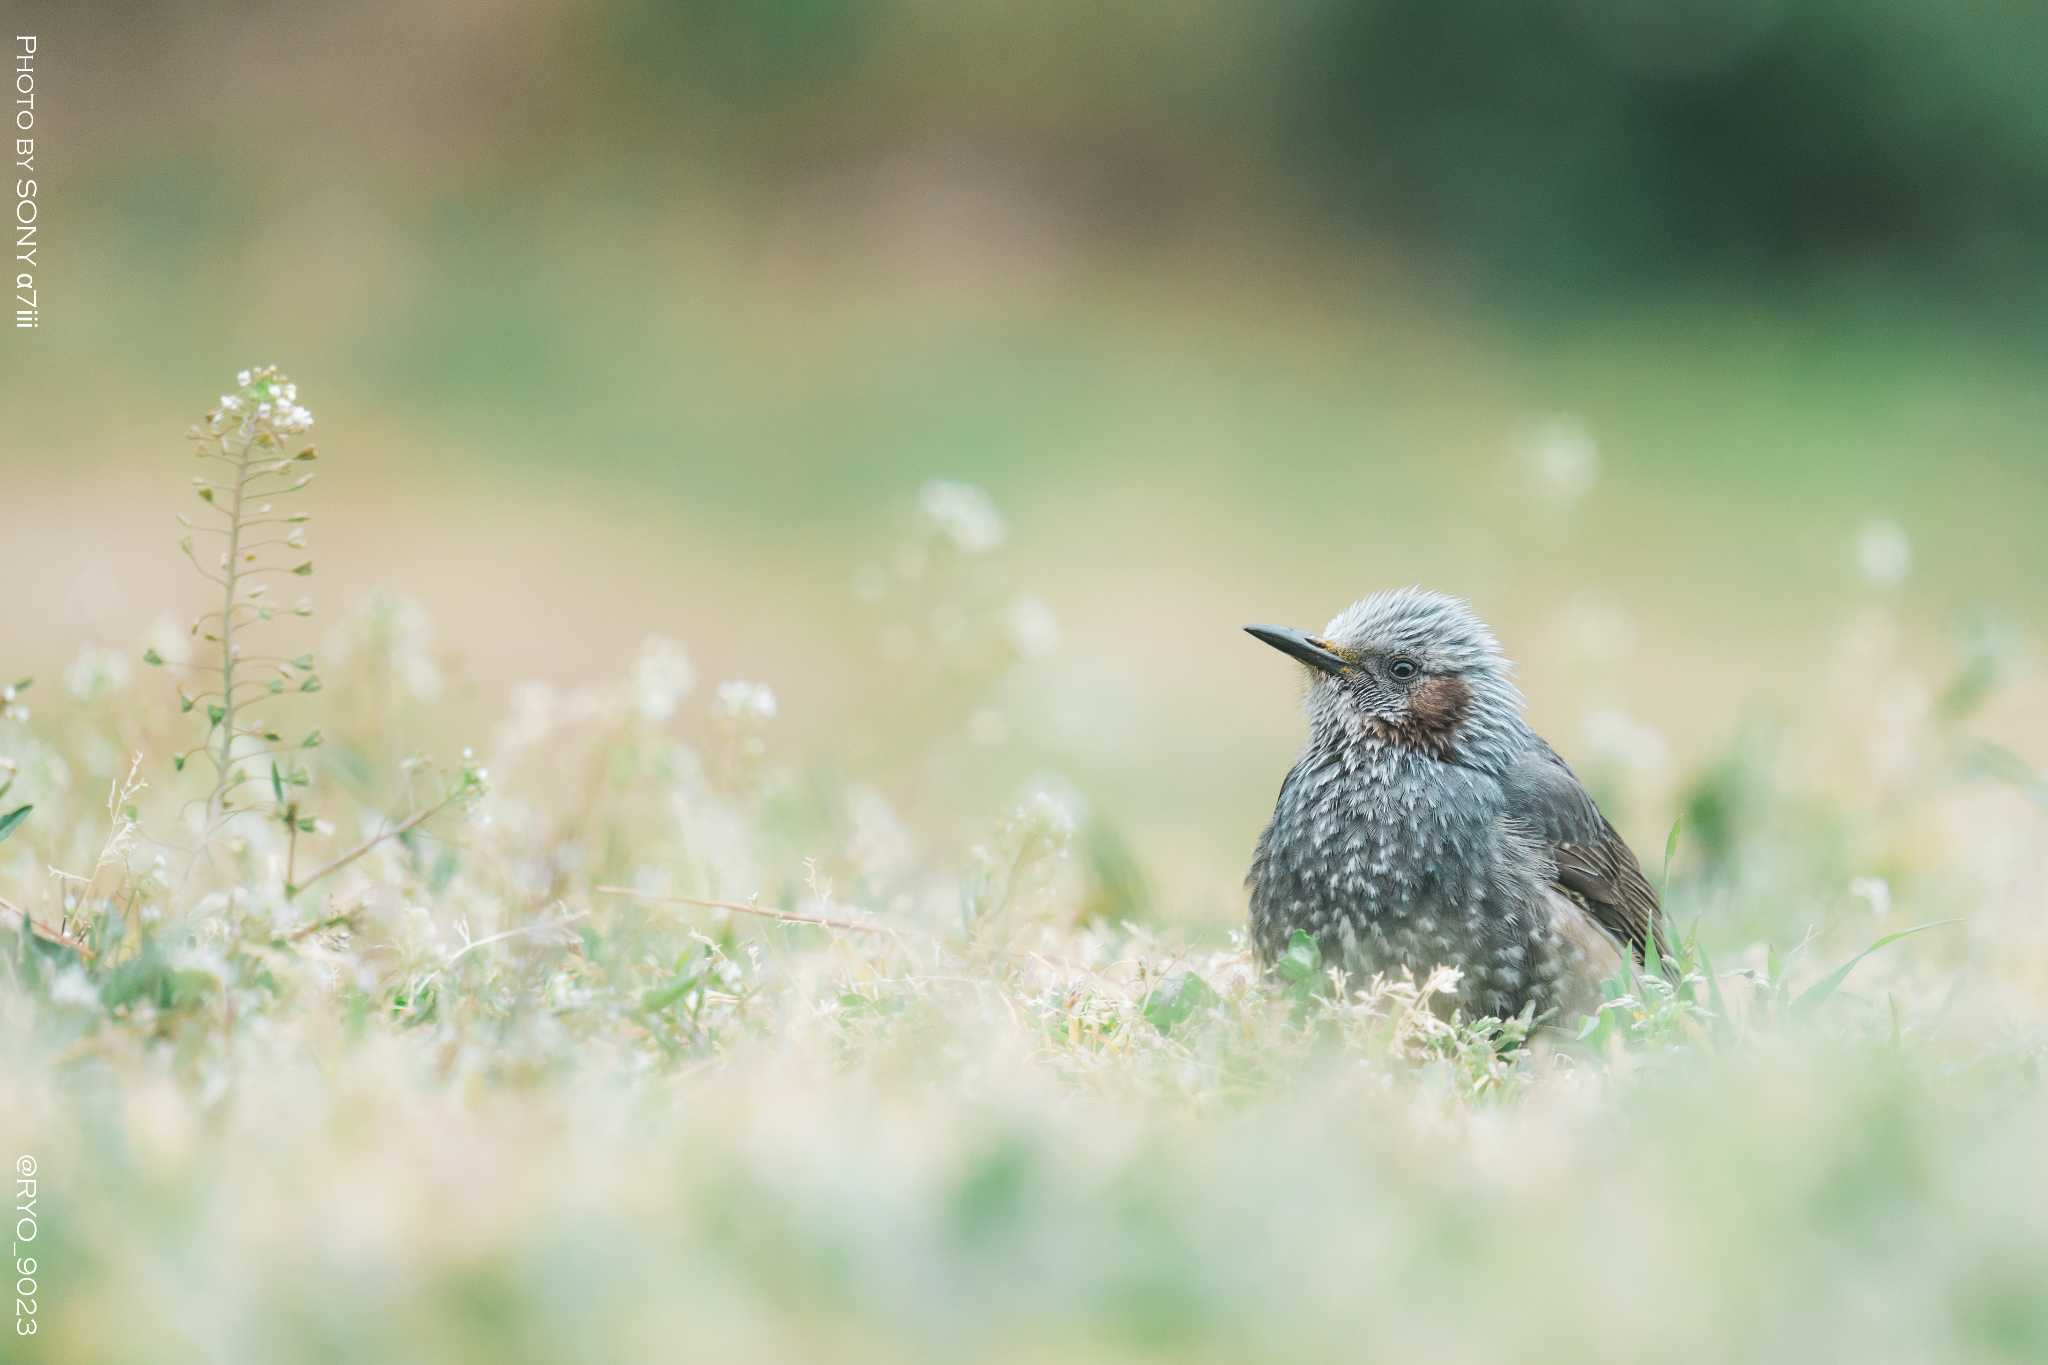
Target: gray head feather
1446 637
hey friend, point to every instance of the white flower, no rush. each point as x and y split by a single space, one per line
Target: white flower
963 514
1874 892
171 641
662 677
243 379
1033 627
1046 816
1884 554
73 987
750 700
1559 458
534 714
96 672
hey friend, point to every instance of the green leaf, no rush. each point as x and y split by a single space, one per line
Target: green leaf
184 702
1973 683
661 997
13 818
1303 958
1177 997
310 685
276 783
304 570
304 663
215 714
311 741
178 762
152 658
1816 995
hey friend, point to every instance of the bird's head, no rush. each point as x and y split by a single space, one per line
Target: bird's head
1408 667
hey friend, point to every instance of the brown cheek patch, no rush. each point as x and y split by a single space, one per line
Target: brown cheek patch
1435 711
1439 705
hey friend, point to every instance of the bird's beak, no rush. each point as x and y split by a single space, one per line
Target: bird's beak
1310 651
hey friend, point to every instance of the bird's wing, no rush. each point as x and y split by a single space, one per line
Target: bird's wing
1591 864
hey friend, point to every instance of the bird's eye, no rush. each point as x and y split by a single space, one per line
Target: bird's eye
1403 669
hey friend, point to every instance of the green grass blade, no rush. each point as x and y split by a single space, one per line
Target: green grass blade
1816 995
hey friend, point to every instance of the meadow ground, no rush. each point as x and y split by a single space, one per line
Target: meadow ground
920 634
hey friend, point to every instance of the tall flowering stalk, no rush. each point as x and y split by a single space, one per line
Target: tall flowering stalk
254 447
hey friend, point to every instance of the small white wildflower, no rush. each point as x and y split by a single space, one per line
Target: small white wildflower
1874 892
97 672
1046 816
533 716
73 987
662 677
1034 628
1884 554
243 379
964 514
749 700
171 641
1559 458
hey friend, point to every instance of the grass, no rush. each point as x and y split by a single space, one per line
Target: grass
654 1033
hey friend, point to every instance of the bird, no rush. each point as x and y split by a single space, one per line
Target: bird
1425 823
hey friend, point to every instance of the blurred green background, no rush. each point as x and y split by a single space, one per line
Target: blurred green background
1680 336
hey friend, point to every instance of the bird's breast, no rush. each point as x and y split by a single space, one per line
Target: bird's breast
1381 836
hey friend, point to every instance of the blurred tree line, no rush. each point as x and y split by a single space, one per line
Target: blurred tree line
1574 142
